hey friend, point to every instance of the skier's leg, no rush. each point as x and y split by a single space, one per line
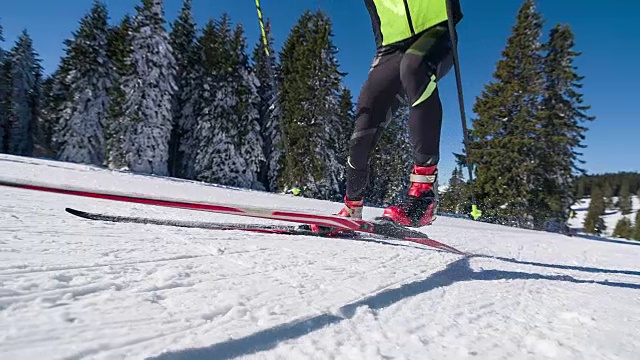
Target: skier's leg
379 98
426 61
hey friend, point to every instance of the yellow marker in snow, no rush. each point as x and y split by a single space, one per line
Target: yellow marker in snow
475 212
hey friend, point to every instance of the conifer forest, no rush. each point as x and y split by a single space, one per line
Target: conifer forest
208 104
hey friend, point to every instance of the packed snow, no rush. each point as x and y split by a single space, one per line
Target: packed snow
72 288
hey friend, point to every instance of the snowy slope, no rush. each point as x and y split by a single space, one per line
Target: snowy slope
75 289
610 217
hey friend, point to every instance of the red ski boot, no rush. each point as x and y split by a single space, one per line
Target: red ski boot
420 206
352 209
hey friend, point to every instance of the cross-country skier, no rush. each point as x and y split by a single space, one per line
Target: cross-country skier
413 54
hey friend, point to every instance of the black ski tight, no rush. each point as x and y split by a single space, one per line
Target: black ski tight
410 68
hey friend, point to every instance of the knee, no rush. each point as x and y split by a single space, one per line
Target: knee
419 78
412 70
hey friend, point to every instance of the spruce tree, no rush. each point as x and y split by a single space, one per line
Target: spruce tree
46 122
266 70
625 199
636 229
504 136
561 130
456 199
346 124
81 131
54 98
293 90
391 161
5 103
244 119
594 223
608 194
328 114
623 229
204 133
25 69
193 97
346 118
36 100
580 190
228 133
311 83
4 94
149 90
274 153
116 129
183 42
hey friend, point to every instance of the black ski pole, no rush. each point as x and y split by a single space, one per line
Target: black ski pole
475 212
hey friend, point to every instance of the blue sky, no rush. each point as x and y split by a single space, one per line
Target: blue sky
606 36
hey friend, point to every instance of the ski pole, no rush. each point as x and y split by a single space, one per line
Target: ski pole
475 212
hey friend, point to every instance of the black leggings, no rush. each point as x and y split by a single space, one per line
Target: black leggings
410 68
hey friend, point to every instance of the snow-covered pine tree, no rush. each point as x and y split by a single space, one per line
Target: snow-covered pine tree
54 100
46 120
456 199
392 161
148 91
311 82
5 104
191 103
183 43
623 228
25 66
624 199
346 123
81 131
274 133
36 100
294 94
608 193
4 94
228 133
116 128
330 145
504 136
593 222
213 161
561 131
266 70
244 122
635 233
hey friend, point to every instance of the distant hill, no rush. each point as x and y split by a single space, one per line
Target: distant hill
611 217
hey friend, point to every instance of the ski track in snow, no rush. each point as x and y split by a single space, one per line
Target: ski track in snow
75 289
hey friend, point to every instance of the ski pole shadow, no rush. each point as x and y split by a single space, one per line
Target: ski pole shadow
398 243
565 267
458 271
604 239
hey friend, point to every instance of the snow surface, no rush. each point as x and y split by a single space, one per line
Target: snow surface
72 288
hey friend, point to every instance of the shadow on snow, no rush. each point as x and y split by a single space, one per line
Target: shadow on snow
458 271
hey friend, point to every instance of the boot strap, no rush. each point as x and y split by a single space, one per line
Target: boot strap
428 179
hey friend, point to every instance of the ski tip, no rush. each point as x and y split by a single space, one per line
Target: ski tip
73 211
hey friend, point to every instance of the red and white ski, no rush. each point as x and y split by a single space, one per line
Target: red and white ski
378 227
